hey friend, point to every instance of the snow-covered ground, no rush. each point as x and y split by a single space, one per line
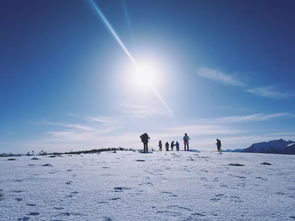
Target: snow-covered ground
156 186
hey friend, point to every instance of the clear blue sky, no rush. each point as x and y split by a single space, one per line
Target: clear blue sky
221 69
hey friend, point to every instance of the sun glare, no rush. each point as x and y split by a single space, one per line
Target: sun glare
145 76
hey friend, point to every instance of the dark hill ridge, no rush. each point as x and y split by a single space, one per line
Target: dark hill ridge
280 146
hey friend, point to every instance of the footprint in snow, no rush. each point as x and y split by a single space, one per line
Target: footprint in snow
69 182
25 218
47 165
179 207
169 194
120 188
236 164
198 214
105 218
33 214
35 158
58 208
169 213
266 163
18 199
218 197
115 198
31 204
17 191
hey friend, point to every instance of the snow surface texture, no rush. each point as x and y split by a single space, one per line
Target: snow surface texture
156 186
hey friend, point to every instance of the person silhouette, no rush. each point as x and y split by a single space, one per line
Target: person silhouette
145 139
218 144
177 146
186 142
167 146
172 145
160 145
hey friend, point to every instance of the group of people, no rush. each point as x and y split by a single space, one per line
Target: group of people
145 139
176 144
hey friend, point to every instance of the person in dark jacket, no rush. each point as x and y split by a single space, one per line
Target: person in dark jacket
145 139
186 142
160 145
167 146
177 146
172 145
218 144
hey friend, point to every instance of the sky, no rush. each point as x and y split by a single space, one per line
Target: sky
85 74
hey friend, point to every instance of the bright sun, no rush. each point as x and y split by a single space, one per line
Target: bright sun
145 76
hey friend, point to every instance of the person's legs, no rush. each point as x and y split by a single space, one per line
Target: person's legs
187 148
184 146
146 147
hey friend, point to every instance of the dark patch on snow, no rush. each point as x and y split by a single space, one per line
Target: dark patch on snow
115 198
169 213
18 199
266 163
31 204
236 164
25 218
31 165
69 182
35 158
292 217
64 214
11 159
102 202
58 208
47 165
179 207
105 218
169 193
197 214
140 160
33 214
17 191
120 188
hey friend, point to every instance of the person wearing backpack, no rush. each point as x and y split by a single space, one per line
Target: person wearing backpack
145 139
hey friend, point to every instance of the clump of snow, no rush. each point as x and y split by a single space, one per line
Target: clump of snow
158 186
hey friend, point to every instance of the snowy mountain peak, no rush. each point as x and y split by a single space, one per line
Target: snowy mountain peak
280 146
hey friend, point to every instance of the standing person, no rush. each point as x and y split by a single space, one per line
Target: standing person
218 144
145 139
172 145
160 145
167 146
177 146
186 142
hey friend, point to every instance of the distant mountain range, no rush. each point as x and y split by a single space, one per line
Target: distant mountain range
280 146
